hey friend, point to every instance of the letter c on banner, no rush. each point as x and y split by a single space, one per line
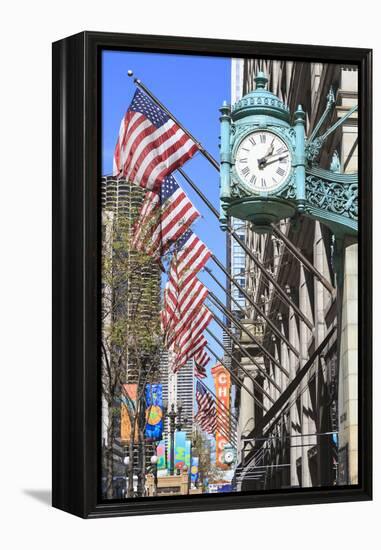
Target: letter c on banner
222 378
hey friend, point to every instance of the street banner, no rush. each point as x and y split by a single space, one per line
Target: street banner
222 390
154 412
180 438
127 410
160 453
194 469
188 454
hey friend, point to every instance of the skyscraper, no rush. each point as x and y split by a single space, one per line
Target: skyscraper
178 387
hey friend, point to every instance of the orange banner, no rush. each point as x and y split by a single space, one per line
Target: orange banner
128 404
222 390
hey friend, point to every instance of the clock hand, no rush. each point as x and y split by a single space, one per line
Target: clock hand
268 153
271 159
270 150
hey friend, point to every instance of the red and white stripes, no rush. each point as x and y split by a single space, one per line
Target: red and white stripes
150 145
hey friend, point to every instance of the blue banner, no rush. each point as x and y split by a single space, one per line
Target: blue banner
154 412
194 469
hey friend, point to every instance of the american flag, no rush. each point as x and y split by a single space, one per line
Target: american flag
223 417
184 318
192 255
164 217
206 415
150 144
195 346
181 341
201 359
191 340
170 302
181 305
199 372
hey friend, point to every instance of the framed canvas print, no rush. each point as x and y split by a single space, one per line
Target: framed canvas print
212 274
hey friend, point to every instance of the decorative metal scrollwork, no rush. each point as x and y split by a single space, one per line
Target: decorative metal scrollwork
313 150
237 191
339 198
289 192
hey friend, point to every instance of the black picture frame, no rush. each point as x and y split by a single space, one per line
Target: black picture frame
76 273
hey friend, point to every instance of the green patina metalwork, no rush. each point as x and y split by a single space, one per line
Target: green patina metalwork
325 195
333 198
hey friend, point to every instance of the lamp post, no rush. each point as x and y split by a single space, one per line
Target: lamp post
126 462
154 460
175 424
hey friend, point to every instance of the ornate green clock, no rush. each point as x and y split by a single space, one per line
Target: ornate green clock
229 455
267 169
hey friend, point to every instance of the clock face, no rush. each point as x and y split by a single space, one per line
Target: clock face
229 457
263 161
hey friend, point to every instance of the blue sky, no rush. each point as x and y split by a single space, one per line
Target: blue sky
192 88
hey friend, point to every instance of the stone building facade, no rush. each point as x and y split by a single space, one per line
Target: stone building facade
312 440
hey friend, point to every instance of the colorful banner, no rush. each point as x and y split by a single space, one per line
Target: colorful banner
160 453
188 454
222 390
194 470
180 439
154 412
127 410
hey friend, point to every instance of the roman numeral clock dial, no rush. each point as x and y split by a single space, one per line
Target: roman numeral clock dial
263 161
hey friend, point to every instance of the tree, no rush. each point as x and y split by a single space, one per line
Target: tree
201 447
131 339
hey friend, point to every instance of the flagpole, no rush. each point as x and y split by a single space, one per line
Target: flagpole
200 147
245 352
243 245
251 302
234 376
219 400
216 165
215 301
230 354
